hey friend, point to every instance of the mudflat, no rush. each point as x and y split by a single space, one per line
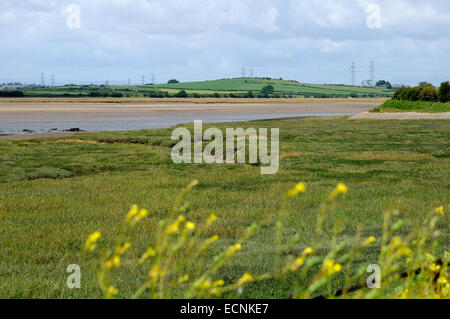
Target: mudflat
401 116
86 110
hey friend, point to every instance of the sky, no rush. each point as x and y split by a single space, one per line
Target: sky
314 41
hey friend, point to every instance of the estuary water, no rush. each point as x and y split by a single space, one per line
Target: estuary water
42 125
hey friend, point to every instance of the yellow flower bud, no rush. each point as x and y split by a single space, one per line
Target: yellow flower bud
212 218
190 226
111 292
299 188
91 242
368 241
245 279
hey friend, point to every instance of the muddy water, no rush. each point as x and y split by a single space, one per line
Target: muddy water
26 118
28 126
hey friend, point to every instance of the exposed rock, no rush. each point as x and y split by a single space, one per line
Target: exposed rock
9 163
75 129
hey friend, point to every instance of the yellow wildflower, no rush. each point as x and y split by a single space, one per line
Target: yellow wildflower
434 267
91 242
233 249
113 262
148 254
337 268
174 227
299 188
218 283
205 285
120 250
368 241
404 294
183 279
340 189
244 279
142 214
442 281
330 267
212 218
154 272
395 243
297 263
404 251
190 226
111 292
440 211
209 241
116 261
135 215
308 251
133 212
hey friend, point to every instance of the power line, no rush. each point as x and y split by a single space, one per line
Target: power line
53 80
143 80
251 73
243 72
42 79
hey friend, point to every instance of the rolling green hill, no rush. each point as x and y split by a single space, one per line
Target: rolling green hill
281 87
228 88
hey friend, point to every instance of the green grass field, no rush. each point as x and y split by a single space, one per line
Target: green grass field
61 190
280 86
225 88
413 106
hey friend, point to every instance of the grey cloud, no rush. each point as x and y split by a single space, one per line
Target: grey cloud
311 40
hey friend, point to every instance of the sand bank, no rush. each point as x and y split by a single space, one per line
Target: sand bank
402 116
20 110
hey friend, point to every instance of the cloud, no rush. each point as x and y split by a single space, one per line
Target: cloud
312 40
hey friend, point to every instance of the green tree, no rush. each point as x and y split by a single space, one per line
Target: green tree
173 81
428 93
116 94
444 92
182 93
268 89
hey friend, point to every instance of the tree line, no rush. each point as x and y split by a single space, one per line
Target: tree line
424 92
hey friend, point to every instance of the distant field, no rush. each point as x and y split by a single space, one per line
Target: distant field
413 106
227 88
183 100
280 86
61 189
